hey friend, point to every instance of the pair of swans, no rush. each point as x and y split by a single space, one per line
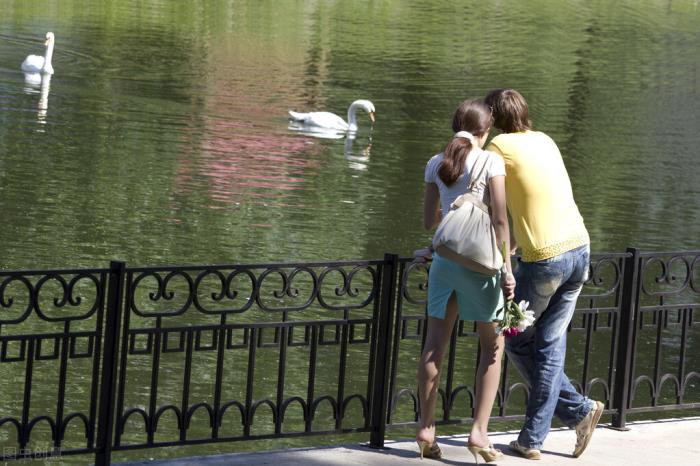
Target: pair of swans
330 123
38 69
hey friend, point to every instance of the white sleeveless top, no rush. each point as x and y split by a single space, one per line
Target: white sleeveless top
494 167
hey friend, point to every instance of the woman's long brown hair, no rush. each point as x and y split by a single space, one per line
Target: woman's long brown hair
473 116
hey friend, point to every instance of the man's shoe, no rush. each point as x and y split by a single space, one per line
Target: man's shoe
529 453
585 428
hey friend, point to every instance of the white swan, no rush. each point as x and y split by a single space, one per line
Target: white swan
38 64
326 121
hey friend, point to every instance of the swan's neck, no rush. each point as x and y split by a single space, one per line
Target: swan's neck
48 56
352 118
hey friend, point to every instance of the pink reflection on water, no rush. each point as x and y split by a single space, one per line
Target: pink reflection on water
247 161
241 163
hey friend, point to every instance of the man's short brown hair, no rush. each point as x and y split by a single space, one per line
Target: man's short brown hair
509 109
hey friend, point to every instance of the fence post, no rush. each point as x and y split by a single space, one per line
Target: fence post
105 416
380 395
625 342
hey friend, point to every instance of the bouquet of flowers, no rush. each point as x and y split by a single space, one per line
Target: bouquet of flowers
516 317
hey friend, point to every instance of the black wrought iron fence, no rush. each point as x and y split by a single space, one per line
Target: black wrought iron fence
663 343
103 360
54 336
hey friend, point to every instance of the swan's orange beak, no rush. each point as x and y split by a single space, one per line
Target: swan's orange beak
371 116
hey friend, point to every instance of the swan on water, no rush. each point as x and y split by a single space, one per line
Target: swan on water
38 64
326 121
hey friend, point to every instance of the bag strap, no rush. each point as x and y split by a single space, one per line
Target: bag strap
475 179
469 197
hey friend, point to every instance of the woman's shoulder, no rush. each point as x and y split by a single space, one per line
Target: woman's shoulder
489 155
432 167
435 159
493 161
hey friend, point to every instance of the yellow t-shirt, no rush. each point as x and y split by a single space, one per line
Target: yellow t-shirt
546 220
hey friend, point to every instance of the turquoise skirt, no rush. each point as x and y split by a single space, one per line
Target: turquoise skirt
479 296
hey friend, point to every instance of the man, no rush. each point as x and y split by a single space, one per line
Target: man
554 265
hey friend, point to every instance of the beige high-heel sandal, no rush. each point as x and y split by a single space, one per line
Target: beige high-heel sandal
489 453
429 450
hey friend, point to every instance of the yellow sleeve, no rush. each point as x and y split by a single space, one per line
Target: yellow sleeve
492 147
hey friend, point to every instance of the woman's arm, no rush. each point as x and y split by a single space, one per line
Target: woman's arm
431 218
431 206
513 243
499 219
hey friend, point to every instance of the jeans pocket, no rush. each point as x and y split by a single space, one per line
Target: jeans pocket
546 278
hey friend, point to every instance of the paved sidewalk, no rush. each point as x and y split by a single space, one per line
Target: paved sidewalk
673 442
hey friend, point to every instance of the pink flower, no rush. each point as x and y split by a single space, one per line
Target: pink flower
511 332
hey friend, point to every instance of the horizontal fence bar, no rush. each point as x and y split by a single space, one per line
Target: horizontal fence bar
271 265
692 252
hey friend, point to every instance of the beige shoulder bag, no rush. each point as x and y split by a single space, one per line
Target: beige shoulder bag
466 234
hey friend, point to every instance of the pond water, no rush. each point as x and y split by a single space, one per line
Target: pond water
162 137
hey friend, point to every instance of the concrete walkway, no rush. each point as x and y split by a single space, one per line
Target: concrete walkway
673 442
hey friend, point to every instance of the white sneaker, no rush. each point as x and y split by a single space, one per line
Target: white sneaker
529 453
585 428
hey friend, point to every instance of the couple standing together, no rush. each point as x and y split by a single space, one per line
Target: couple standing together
525 175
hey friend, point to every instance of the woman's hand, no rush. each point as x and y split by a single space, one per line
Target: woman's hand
423 255
508 285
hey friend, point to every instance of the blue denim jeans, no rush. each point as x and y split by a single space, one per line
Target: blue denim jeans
552 287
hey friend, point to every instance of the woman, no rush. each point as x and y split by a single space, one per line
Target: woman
454 289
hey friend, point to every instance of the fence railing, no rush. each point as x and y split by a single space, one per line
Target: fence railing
103 360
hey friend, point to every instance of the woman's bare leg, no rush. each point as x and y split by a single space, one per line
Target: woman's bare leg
436 342
488 375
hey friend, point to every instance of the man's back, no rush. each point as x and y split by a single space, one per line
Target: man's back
546 220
